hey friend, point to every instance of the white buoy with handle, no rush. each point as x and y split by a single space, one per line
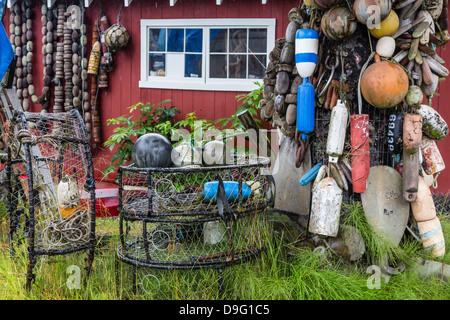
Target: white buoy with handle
336 131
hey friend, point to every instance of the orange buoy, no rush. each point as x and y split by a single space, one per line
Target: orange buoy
384 84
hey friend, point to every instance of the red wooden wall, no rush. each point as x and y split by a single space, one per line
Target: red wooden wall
124 79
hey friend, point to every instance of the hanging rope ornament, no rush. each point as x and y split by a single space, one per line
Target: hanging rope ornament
96 134
27 51
59 61
17 41
86 107
94 58
47 54
116 37
106 59
68 84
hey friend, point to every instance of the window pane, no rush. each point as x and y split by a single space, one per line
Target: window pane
157 64
256 66
257 40
175 39
218 40
157 39
193 66
238 40
238 66
194 40
218 66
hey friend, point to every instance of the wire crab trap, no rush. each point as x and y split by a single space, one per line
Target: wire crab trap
51 199
193 217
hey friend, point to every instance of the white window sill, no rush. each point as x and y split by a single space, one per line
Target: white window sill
222 85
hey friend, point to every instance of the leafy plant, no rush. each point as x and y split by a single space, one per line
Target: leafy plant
152 118
250 102
192 123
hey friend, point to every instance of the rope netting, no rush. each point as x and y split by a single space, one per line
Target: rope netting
178 217
50 154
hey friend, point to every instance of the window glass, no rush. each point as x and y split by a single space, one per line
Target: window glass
257 40
218 40
256 66
238 66
194 40
157 64
193 66
238 40
175 40
218 66
157 39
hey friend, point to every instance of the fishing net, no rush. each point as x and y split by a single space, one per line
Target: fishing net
51 202
193 217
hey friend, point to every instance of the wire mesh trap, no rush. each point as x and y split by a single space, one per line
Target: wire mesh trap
51 199
190 218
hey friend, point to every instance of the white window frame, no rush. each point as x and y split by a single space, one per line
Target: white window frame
203 83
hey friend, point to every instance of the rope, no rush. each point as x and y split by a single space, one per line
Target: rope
25 136
74 229
359 81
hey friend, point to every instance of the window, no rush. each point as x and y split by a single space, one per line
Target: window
205 54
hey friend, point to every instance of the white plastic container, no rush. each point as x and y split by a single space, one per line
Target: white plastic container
336 131
326 208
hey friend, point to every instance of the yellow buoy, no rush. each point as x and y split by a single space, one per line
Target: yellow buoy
387 27
307 2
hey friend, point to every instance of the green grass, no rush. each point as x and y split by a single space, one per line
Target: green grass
284 271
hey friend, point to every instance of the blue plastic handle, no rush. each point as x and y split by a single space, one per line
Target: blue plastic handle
310 175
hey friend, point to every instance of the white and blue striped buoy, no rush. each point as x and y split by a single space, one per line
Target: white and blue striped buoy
306 48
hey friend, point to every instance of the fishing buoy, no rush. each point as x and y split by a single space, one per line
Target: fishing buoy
325 208
336 131
387 27
432 236
410 175
432 163
395 133
434 126
321 174
412 136
306 48
360 163
423 207
384 84
214 232
412 132
68 195
386 47
231 190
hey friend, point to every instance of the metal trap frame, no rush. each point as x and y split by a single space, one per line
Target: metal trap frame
169 219
45 150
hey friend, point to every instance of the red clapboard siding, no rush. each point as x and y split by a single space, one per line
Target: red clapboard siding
124 79
124 88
